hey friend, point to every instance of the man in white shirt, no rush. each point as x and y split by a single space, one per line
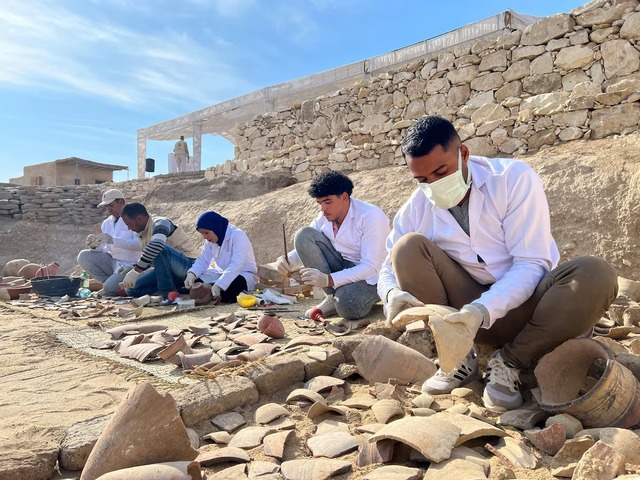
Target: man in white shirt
115 249
342 250
181 154
476 235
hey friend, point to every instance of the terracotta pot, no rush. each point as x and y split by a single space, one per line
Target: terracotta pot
158 471
201 293
12 267
271 325
567 385
32 270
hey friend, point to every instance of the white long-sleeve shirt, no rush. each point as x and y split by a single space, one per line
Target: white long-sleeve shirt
509 227
235 257
360 240
125 248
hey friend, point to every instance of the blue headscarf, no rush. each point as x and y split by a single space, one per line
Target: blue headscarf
215 222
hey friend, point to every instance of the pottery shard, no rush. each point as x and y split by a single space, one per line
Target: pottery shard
157 471
571 424
314 469
275 374
455 469
453 342
513 453
385 410
380 359
218 437
564 462
250 437
132 438
304 394
269 412
274 444
394 472
433 438
549 440
12 267
415 314
262 469
332 444
78 442
600 461
322 383
470 428
212 455
237 472
624 441
371 453
523 419
228 422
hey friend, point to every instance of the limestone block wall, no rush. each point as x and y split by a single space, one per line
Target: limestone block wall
566 77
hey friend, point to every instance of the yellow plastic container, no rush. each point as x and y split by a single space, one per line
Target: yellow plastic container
246 301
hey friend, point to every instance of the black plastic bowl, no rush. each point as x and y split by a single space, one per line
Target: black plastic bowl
56 286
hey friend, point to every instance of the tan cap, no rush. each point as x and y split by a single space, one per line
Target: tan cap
109 196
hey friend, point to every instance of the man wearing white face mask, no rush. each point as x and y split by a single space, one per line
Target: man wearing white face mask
476 235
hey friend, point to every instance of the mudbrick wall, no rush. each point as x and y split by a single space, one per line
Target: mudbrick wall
566 77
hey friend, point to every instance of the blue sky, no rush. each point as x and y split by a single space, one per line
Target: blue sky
80 77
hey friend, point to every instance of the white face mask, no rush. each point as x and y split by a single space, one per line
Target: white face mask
448 191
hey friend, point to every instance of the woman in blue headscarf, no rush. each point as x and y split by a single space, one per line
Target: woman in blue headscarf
235 264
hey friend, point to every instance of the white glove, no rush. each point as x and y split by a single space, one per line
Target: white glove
398 300
104 238
130 278
189 280
283 265
216 291
313 276
470 316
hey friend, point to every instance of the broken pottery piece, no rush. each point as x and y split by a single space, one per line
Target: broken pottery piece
359 400
433 438
387 390
274 444
237 472
218 437
571 424
523 419
394 472
152 328
170 352
625 442
250 339
470 427
629 288
282 423
269 412
322 383
370 427
321 407
332 444
328 426
513 453
271 325
600 461
370 453
132 437
457 468
422 412
157 471
249 437
228 422
453 342
314 468
12 267
386 410
424 313
424 400
379 359
191 360
214 455
262 469
565 461
200 293
141 351
266 348
120 330
251 355
304 394
548 440
127 342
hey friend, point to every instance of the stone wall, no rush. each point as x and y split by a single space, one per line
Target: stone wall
566 77
75 204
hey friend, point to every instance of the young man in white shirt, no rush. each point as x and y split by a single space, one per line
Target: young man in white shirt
115 247
476 235
342 250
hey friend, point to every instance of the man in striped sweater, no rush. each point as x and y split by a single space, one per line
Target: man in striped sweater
165 247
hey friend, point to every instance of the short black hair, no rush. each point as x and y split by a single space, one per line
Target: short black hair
428 132
330 183
133 210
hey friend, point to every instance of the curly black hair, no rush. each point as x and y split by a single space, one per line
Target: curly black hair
330 183
426 133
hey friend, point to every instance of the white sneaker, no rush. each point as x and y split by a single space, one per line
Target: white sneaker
327 306
442 383
502 391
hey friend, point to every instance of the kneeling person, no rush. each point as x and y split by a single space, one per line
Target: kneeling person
342 250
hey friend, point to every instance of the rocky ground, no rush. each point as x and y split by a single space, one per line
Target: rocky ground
48 387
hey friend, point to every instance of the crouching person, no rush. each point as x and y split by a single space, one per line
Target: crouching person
235 265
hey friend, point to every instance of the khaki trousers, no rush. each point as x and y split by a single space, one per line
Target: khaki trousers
567 302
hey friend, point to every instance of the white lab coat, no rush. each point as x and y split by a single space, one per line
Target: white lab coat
235 257
125 248
360 240
509 228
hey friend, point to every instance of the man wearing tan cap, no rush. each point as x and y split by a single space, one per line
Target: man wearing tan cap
115 249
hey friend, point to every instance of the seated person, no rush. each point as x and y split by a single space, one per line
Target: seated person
235 265
342 250
166 248
113 250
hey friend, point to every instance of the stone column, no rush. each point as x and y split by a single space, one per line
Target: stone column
197 146
142 154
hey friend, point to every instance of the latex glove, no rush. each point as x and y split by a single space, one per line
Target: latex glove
283 266
470 316
313 276
104 238
130 278
216 291
189 280
398 300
